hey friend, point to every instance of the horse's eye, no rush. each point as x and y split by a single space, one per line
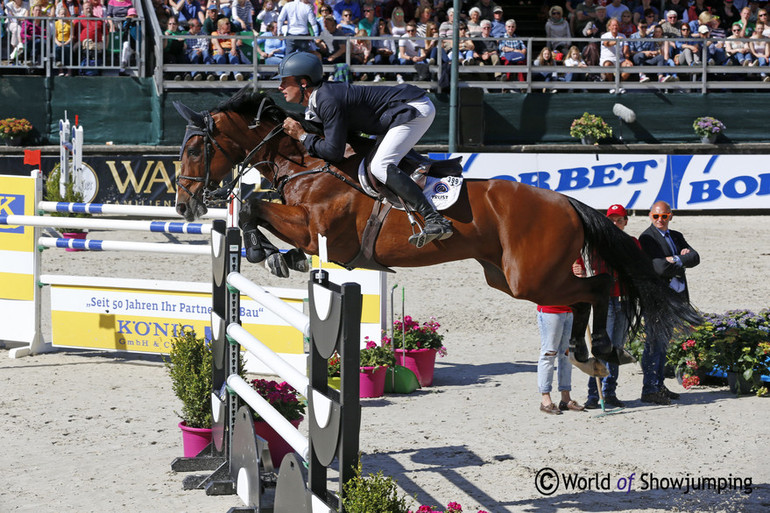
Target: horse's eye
193 152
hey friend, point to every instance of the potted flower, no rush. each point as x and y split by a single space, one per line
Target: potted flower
416 346
590 129
189 365
284 398
12 130
708 128
53 193
374 362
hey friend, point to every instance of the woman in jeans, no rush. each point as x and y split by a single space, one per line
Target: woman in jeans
555 326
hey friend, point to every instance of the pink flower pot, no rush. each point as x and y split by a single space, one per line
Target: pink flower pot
419 361
372 381
194 440
74 235
277 445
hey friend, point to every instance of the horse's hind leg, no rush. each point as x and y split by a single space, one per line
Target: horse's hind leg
601 346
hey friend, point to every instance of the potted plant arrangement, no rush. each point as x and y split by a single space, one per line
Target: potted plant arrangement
53 193
735 344
416 346
284 398
189 365
12 130
590 129
708 128
374 362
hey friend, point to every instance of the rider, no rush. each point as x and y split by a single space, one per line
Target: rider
401 114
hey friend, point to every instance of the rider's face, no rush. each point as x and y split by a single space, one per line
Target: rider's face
291 90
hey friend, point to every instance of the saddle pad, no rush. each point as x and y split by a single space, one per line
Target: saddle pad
443 192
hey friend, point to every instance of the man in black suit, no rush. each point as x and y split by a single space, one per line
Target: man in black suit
671 255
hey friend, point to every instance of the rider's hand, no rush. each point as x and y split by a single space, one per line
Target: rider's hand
292 128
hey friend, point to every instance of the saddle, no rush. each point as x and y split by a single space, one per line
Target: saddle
419 168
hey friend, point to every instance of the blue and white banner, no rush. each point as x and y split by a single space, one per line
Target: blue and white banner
687 182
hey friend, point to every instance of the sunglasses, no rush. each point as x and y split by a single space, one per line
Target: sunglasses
663 217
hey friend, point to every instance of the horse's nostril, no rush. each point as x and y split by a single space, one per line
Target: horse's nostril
181 208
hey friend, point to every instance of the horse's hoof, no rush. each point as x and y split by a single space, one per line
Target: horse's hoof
624 356
277 265
601 347
296 260
255 255
579 350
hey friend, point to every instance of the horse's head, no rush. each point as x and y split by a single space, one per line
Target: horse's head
216 142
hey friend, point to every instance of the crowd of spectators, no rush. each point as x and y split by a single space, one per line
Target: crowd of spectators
418 33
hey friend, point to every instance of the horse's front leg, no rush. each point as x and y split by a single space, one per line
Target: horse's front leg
259 248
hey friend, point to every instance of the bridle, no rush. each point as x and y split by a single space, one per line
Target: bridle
203 124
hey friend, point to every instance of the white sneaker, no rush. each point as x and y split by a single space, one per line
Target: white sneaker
223 77
239 77
377 78
399 79
643 78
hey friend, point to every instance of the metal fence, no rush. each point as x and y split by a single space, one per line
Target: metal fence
29 46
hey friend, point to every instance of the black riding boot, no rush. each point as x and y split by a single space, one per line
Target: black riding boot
437 227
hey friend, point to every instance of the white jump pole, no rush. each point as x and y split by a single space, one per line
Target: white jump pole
108 224
267 356
294 317
277 421
116 245
129 210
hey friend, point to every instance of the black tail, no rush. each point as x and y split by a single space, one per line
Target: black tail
649 297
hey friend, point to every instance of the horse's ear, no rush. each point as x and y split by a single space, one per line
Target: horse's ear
189 115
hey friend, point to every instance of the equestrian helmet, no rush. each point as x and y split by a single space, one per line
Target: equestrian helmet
299 64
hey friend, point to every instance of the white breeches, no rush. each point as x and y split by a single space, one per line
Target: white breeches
400 139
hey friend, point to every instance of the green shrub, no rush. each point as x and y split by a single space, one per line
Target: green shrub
373 493
189 365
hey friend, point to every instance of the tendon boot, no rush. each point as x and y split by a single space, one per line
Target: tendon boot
436 226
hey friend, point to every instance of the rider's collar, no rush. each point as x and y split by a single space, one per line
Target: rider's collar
310 111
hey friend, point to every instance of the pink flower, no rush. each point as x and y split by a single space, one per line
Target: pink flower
370 344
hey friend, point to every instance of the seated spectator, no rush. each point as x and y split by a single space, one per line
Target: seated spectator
688 52
614 50
695 9
558 32
173 48
573 59
616 8
747 25
90 31
369 22
354 8
641 12
330 46
545 59
714 48
627 26
679 7
447 27
360 49
758 46
188 10
738 51
431 45
512 49
411 48
212 18
487 8
385 51
601 19
62 51
46 8
651 17
271 51
225 49
644 52
727 13
485 48
584 12
97 8
198 49
498 23
243 15
671 25
424 16
347 24
407 11
590 51
15 11
398 22
474 22
33 35
269 14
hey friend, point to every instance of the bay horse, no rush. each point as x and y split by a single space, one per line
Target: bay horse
525 238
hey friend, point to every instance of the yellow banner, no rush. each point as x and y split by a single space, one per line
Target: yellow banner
17 197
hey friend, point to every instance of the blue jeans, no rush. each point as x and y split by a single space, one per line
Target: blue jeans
555 330
617 324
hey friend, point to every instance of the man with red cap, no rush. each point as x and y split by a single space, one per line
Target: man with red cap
617 325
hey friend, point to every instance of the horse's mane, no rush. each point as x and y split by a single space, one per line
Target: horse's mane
247 102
